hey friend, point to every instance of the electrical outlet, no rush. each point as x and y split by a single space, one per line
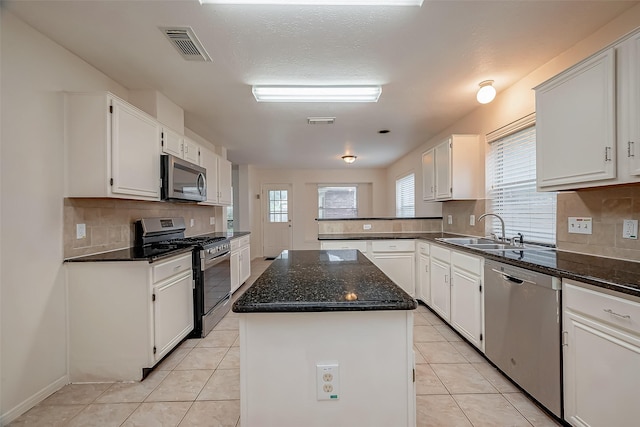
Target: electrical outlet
580 225
630 229
449 219
81 231
212 220
328 384
193 222
366 226
472 220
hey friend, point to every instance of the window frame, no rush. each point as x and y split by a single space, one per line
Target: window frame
400 207
322 209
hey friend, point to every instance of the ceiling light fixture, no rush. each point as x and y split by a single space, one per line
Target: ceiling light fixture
320 2
349 158
321 120
486 93
317 93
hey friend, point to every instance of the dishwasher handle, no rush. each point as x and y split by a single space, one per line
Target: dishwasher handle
512 279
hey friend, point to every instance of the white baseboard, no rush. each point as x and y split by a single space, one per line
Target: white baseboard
33 400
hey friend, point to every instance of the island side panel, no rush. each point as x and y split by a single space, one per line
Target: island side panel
374 350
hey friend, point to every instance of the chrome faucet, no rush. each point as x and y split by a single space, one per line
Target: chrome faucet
501 221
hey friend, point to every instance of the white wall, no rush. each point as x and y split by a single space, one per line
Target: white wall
510 104
305 204
34 72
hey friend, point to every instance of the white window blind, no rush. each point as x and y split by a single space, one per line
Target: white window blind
337 201
406 196
511 179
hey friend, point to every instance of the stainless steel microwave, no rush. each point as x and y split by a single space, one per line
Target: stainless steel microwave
182 180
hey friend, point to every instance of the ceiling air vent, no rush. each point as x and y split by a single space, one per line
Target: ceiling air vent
185 40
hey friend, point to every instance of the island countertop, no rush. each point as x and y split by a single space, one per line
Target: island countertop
324 280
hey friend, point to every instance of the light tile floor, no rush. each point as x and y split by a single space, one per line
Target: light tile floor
198 384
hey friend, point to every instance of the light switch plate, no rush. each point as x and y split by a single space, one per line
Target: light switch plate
366 226
630 229
472 220
212 220
580 225
449 219
81 231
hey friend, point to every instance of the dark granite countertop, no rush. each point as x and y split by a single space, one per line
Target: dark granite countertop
617 275
150 254
326 280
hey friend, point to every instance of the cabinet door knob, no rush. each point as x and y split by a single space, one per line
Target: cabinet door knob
629 149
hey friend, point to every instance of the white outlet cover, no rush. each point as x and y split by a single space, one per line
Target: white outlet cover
449 219
366 226
630 229
328 381
81 231
212 220
193 222
472 220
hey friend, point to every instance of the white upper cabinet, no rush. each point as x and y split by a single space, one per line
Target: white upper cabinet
180 146
575 125
587 121
111 149
450 171
172 142
191 152
218 178
428 175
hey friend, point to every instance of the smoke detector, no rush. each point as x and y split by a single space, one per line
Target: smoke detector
185 40
321 120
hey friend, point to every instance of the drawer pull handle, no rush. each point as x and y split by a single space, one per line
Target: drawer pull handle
613 313
177 267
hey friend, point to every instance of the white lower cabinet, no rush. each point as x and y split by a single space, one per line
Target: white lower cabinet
240 261
466 296
423 282
440 280
396 258
601 350
125 316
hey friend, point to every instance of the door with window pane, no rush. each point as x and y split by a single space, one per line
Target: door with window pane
276 221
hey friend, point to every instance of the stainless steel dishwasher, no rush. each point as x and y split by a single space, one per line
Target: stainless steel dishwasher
523 331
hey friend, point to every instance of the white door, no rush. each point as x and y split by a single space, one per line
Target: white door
171 142
400 267
276 219
443 170
440 288
423 291
225 195
173 313
428 175
466 305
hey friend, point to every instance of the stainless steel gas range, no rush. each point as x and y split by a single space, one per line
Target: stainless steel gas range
211 266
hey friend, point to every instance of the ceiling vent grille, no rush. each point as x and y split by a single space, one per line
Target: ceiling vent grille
185 40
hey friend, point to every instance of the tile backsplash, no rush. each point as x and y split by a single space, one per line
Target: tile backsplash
460 211
109 222
390 225
608 207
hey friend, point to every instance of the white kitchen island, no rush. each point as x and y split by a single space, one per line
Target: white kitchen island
326 339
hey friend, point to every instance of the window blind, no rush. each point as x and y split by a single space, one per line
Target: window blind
405 196
511 180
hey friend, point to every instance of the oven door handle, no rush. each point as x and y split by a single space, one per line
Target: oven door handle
213 261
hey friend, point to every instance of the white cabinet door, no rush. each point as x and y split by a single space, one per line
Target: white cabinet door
443 170
245 263
135 152
423 289
601 374
225 196
172 142
173 313
576 120
440 288
191 151
428 175
466 305
210 163
235 270
631 120
400 267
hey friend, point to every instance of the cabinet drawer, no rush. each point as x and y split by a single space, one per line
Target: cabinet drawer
244 240
423 248
360 245
171 267
467 262
608 308
441 253
393 246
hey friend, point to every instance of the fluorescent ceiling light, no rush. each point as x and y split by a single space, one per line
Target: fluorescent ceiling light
321 2
317 93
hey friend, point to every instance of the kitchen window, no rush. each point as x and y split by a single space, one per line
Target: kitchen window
406 196
511 183
337 201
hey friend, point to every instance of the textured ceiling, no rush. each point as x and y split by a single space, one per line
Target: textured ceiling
428 59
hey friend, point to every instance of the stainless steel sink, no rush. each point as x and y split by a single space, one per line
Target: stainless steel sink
489 245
